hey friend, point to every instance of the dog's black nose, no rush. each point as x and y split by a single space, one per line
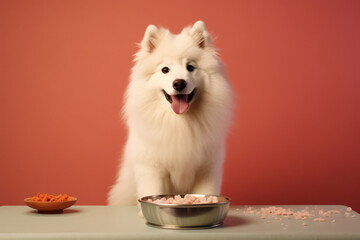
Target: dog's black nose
179 84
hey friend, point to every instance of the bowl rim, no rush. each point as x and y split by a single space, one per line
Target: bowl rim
142 200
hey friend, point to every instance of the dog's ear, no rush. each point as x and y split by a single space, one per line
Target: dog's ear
200 35
151 38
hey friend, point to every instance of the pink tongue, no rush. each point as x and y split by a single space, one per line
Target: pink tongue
179 103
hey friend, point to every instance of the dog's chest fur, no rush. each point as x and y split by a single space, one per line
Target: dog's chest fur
180 146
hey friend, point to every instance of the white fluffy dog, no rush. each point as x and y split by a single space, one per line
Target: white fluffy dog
178 107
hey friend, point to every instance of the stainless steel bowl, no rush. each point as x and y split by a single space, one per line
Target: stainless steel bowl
184 216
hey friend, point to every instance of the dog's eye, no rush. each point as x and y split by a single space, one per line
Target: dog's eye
165 70
190 68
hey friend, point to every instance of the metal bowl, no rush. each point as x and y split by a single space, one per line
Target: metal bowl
184 216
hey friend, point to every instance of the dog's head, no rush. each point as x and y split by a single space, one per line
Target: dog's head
176 67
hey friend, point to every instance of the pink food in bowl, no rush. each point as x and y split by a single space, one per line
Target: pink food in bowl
187 199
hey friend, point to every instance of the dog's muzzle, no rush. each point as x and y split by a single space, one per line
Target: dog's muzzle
179 102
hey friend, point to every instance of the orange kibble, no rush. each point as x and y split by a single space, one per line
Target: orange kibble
44 197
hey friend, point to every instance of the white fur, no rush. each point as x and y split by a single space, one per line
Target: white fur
165 152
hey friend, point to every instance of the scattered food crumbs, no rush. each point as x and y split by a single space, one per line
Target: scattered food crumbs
334 212
285 214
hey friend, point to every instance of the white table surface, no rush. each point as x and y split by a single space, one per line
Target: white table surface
115 222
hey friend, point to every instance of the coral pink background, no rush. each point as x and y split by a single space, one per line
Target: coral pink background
294 66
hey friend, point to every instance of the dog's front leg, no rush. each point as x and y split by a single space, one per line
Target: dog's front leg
208 182
150 180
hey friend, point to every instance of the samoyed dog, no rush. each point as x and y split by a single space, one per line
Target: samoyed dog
178 107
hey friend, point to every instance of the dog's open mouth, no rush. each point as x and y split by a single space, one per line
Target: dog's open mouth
180 102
